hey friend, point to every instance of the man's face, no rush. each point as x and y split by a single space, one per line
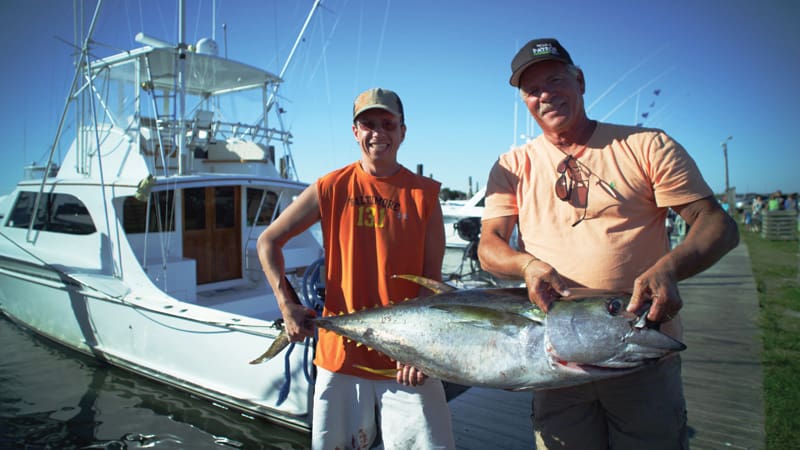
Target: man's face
553 95
379 133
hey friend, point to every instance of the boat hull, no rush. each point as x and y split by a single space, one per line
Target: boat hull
202 351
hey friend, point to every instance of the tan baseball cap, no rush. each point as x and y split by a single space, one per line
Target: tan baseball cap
378 98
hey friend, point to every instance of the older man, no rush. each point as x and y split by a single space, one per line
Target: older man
590 200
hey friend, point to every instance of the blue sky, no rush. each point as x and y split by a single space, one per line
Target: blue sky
723 68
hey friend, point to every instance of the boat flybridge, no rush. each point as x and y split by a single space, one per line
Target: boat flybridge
141 248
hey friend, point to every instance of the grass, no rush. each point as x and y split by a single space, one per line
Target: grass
775 268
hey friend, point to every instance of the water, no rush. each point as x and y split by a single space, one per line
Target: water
54 398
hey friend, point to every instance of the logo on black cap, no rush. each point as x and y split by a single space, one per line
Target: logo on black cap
544 48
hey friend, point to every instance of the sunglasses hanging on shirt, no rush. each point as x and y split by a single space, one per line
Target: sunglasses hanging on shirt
571 181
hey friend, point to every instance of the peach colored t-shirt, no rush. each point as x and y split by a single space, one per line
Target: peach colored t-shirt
633 175
373 228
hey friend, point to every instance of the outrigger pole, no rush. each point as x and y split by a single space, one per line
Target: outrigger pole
291 53
83 55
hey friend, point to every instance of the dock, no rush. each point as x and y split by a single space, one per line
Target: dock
722 373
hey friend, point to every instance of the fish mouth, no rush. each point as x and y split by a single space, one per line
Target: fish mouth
578 368
589 369
558 363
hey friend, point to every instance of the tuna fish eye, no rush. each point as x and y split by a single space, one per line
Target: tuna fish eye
614 306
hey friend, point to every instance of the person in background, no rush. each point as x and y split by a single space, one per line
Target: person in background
747 220
775 201
757 207
590 200
378 219
790 204
724 204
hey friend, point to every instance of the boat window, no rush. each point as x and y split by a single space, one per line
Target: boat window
225 207
57 213
254 200
194 205
162 213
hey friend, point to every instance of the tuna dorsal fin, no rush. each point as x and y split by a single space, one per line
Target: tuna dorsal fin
436 286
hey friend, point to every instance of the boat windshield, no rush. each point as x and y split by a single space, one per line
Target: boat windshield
141 87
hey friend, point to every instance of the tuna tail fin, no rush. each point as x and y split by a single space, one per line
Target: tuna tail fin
282 340
280 343
437 287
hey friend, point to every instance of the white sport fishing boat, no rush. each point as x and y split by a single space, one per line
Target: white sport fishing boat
456 210
140 249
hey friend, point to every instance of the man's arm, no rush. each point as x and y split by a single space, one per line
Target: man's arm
298 216
712 234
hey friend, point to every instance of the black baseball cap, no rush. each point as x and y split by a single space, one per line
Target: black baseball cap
537 50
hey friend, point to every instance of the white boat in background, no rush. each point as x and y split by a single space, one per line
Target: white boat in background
140 248
462 229
455 210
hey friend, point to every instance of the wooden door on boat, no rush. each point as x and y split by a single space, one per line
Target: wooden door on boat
212 232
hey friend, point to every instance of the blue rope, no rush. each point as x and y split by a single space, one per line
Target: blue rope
312 280
311 344
310 299
287 378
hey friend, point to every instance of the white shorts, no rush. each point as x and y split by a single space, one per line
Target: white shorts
350 412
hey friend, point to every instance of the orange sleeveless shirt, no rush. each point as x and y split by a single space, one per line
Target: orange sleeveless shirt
372 228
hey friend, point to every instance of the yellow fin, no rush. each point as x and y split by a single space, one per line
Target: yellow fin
388 373
437 287
280 343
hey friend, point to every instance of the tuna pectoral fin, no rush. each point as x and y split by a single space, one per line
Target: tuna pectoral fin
481 316
388 373
280 343
437 287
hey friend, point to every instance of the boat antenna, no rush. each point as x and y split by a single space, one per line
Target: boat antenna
182 47
225 38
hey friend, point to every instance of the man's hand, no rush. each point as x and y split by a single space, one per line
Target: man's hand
544 283
409 375
660 289
297 321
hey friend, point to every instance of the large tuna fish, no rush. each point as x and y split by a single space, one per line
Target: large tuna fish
497 338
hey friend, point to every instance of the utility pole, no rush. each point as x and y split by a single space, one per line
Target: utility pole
725 154
727 184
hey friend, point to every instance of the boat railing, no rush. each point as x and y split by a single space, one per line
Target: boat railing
255 133
202 133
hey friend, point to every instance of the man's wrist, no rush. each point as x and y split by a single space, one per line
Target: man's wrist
528 263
